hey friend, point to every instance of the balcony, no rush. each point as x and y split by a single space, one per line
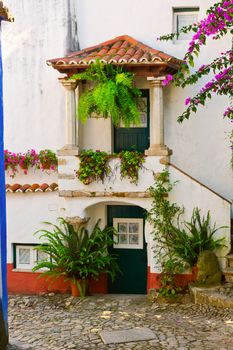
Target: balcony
113 185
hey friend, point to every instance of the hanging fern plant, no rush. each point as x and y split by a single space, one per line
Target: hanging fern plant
113 94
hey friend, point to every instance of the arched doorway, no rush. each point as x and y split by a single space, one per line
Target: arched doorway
130 247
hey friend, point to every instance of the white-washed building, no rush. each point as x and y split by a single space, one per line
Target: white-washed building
40 113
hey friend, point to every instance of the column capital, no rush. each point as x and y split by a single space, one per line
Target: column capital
156 81
69 84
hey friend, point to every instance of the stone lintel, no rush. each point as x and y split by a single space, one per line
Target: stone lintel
158 150
67 193
68 150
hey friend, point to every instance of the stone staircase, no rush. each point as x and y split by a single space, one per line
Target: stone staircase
228 271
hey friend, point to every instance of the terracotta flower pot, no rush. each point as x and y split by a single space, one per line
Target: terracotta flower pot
194 272
46 165
23 166
75 291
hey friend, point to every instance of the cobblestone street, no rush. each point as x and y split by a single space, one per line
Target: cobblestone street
63 322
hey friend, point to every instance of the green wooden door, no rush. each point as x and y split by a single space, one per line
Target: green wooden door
131 249
135 138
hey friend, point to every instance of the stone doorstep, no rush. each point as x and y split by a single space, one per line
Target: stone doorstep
230 260
228 274
212 296
126 336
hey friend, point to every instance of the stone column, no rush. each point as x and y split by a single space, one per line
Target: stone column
71 131
157 147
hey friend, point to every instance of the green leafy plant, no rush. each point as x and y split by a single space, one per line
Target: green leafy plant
94 166
112 95
175 241
170 268
76 254
48 159
131 163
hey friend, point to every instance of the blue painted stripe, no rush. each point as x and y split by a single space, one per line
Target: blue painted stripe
3 256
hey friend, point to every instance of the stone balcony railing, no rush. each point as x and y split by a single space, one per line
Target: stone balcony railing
113 185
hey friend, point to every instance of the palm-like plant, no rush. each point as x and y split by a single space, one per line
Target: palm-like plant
76 254
198 236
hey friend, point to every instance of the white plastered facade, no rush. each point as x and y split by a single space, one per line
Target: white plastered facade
35 113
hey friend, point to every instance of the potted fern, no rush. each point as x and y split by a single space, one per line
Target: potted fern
113 94
76 254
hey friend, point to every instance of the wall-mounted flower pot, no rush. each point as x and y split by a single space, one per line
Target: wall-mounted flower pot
23 166
46 165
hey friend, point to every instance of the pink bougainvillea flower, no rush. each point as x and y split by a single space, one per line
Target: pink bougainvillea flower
187 101
167 80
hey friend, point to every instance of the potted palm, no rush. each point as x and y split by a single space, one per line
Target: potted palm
76 254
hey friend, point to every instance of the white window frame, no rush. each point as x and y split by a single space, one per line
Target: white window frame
117 245
180 11
33 257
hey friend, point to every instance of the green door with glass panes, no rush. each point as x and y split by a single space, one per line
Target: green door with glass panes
135 138
130 248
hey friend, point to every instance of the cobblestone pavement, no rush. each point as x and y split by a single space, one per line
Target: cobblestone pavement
63 322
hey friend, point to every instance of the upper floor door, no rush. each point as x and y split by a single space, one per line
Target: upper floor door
135 137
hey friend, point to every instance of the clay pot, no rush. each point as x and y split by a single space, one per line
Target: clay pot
194 272
23 166
75 290
46 165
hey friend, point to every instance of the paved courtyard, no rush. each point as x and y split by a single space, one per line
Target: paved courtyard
63 322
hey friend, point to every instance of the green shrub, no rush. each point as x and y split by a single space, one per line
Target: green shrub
76 254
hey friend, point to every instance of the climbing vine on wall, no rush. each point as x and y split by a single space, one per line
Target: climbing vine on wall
177 244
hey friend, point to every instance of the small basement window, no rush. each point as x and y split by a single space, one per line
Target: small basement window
183 17
26 257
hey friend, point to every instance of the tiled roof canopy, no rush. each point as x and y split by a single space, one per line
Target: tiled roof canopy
17 188
5 14
123 50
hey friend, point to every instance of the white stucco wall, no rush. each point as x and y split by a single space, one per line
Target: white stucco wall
33 98
201 145
34 102
25 214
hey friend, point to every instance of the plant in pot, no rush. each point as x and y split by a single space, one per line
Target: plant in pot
48 159
113 94
11 162
28 159
77 254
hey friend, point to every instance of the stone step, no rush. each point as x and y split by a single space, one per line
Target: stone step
228 274
230 260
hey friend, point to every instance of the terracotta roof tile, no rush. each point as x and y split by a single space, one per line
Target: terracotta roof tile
17 188
120 50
